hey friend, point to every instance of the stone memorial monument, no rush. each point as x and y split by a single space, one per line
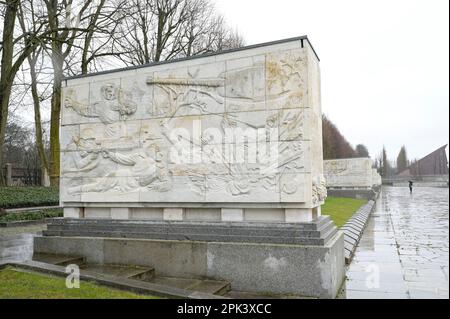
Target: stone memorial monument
351 173
205 167
352 177
376 178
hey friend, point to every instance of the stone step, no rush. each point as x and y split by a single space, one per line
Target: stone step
330 234
325 228
204 286
217 225
130 272
215 231
59 260
190 237
228 229
253 295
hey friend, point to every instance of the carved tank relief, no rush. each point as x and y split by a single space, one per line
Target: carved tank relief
130 145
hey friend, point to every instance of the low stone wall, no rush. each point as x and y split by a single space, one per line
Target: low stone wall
354 229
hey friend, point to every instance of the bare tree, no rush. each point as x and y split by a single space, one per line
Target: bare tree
157 30
73 29
50 39
27 19
15 49
205 31
97 43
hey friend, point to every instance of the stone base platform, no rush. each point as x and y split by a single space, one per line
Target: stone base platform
317 233
304 259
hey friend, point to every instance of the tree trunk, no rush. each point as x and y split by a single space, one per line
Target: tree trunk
37 114
6 80
58 63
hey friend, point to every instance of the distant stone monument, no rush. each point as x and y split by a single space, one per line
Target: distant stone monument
434 164
376 178
352 177
430 171
351 173
220 155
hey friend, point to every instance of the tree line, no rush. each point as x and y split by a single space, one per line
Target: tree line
336 146
43 41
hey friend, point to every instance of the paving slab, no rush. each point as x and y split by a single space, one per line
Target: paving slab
134 272
406 240
205 286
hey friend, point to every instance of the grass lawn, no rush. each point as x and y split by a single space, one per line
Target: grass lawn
20 197
18 284
341 209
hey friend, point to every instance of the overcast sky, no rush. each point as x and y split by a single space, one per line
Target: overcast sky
384 63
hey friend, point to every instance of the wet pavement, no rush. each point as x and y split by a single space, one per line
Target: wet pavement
16 243
404 251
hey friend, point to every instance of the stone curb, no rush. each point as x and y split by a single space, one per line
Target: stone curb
23 223
354 228
136 286
27 209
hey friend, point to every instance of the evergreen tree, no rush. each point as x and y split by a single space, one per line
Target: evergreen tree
402 160
385 164
362 151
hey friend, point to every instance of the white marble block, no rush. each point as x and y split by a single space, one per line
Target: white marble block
376 178
232 215
239 130
352 173
173 214
73 212
120 213
298 215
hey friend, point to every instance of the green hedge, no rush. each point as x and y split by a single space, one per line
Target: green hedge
35 215
19 197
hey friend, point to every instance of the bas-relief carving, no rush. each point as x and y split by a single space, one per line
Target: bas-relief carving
115 104
319 190
336 167
348 172
117 167
286 77
115 156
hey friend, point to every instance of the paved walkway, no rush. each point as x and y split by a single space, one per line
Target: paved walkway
404 251
16 243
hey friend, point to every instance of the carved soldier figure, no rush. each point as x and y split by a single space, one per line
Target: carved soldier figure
116 104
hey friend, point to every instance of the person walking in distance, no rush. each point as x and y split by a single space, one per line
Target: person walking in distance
411 186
